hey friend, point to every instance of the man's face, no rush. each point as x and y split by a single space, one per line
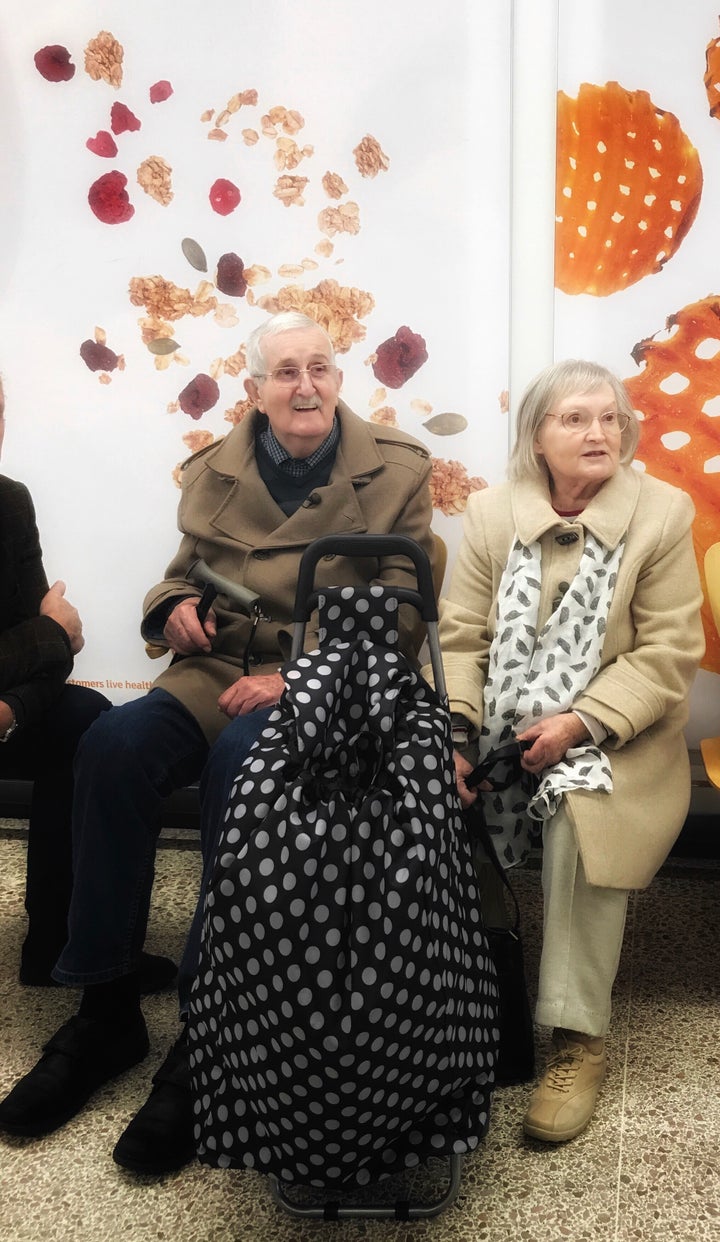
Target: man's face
300 412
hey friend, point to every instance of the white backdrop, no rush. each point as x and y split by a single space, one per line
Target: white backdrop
431 83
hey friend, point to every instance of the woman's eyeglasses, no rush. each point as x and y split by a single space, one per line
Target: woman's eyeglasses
582 420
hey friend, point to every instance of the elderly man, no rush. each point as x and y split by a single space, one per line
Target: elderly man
301 464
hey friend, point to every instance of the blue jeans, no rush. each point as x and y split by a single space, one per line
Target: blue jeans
130 759
218 778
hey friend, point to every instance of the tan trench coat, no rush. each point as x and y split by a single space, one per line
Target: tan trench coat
378 485
653 645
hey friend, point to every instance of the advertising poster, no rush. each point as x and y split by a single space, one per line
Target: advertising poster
637 261
171 174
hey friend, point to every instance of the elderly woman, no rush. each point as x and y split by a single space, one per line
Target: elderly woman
572 622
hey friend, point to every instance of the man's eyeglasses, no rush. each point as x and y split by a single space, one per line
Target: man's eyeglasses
317 371
582 420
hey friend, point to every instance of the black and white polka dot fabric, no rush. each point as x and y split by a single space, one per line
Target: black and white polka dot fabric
343 1024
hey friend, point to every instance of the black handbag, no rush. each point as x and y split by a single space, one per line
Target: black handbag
516 1056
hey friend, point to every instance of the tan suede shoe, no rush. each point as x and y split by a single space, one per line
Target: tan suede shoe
564 1100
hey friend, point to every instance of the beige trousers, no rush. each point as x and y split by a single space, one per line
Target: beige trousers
582 933
582 937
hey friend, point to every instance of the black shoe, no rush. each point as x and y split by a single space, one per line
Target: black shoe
154 973
79 1058
159 1139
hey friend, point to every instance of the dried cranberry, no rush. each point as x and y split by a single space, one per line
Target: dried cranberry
102 144
230 277
399 357
160 91
200 395
122 119
224 196
109 200
53 63
98 357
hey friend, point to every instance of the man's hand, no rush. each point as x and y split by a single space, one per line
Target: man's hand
249 693
184 634
551 739
56 606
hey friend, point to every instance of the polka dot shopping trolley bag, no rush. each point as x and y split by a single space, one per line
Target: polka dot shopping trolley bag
343 1023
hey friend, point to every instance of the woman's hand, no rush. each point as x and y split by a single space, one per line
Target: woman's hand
551 738
463 769
249 693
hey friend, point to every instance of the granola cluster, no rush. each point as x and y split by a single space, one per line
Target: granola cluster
197 440
370 157
288 154
450 486
155 177
239 411
289 189
287 119
104 59
386 415
164 300
342 219
333 185
337 308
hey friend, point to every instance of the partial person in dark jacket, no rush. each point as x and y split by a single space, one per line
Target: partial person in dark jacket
41 719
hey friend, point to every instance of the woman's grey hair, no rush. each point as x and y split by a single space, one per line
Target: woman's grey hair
550 386
284 321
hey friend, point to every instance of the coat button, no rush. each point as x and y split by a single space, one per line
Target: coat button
261 554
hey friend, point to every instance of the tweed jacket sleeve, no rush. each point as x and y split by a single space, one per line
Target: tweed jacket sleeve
35 656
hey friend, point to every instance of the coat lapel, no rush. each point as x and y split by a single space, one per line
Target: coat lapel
263 524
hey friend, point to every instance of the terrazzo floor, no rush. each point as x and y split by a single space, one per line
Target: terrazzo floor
647 1168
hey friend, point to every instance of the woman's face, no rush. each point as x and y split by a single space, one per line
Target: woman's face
580 460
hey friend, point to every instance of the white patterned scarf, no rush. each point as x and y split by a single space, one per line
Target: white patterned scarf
532 675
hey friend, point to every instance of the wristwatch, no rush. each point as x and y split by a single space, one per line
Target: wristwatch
10 729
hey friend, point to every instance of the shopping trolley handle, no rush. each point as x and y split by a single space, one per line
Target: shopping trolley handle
366 545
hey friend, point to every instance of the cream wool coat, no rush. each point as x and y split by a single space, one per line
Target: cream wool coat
378 485
653 645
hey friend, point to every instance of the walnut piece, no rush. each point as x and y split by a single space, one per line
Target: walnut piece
370 157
